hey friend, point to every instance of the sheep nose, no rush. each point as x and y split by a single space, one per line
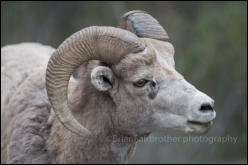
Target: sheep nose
203 110
206 107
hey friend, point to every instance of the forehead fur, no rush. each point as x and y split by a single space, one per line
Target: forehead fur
162 49
143 63
132 63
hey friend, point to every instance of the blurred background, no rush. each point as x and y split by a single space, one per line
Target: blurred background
210 41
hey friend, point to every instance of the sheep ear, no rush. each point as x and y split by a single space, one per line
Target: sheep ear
102 78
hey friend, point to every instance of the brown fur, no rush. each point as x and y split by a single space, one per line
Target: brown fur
32 134
38 140
95 111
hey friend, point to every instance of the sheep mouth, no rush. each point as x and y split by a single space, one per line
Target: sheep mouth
199 128
200 123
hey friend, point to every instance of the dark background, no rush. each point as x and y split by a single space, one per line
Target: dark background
210 41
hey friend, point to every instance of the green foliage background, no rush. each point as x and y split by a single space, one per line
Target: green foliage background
210 41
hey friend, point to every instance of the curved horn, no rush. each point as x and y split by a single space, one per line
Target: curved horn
107 44
143 25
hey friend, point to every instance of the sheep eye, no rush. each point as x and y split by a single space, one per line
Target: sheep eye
140 83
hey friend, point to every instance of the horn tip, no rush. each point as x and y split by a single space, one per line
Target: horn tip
143 24
132 12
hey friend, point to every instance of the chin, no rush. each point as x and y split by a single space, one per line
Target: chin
198 128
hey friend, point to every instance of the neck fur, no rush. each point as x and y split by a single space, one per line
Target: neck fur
91 109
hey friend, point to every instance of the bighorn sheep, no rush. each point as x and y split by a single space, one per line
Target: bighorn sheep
126 86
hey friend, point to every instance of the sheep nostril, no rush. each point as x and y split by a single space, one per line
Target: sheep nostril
206 108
